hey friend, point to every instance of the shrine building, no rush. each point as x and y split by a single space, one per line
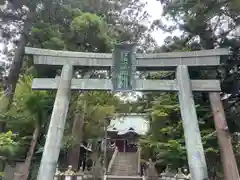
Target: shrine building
124 131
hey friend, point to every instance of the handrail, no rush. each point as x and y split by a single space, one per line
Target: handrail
112 160
139 160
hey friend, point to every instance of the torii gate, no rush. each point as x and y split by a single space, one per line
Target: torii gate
124 63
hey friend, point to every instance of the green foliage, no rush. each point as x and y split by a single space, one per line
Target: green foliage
29 110
8 147
7 144
89 26
99 106
165 139
48 35
88 21
90 31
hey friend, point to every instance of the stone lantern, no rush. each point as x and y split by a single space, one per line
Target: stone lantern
69 173
57 174
187 174
180 175
80 175
167 175
151 172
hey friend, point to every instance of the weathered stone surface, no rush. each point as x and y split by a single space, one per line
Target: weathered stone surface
141 85
56 127
143 61
125 164
195 152
97 169
151 172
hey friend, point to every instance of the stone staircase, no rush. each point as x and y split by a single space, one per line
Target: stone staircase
125 166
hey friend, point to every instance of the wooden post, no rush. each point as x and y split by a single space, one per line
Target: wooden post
224 139
195 152
56 128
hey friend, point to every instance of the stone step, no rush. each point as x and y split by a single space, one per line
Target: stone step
124 168
131 171
125 164
125 174
113 177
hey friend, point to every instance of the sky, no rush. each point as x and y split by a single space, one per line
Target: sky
154 8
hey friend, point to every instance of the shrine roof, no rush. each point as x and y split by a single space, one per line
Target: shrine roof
135 123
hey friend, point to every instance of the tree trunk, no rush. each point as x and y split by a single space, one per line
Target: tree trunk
15 68
23 175
74 152
224 139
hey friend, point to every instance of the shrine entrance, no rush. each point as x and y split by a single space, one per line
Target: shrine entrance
121 144
123 65
126 130
126 144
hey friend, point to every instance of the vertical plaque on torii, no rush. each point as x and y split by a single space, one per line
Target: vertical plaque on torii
124 67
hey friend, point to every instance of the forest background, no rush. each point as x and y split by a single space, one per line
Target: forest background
95 26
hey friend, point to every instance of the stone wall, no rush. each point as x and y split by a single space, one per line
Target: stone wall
10 170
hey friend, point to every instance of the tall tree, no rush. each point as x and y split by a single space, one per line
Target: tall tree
31 109
21 15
